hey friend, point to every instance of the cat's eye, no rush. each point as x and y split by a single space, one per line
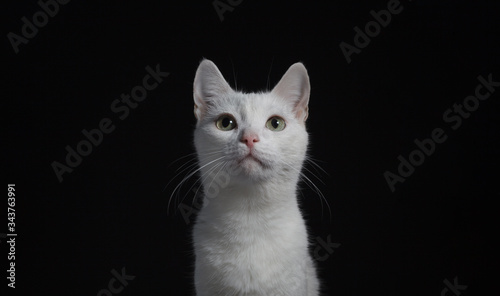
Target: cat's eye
225 122
276 124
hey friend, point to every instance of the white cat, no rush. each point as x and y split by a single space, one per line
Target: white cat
250 237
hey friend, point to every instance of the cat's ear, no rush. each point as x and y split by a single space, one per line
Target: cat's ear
294 86
208 85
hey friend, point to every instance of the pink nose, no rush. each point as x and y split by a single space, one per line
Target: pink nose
249 139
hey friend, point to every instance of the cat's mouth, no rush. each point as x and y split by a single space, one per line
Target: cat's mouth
251 158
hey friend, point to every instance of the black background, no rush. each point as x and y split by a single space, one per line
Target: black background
111 211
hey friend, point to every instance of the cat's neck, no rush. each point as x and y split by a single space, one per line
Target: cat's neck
253 199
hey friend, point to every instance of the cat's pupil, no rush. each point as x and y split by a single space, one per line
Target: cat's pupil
275 123
226 122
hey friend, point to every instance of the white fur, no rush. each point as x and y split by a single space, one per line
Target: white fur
250 237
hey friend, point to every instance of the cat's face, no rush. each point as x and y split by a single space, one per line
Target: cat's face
250 137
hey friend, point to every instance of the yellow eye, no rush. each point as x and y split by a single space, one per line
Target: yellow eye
225 122
276 124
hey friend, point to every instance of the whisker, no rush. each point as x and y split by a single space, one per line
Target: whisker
318 191
309 171
189 167
189 164
315 164
177 192
202 178
313 187
188 176
221 165
215 151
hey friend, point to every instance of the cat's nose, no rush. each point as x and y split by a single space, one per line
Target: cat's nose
249 139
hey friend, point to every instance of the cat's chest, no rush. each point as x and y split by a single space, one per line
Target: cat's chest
250 235
256 248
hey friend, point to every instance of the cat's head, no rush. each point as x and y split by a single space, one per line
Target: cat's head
250 137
